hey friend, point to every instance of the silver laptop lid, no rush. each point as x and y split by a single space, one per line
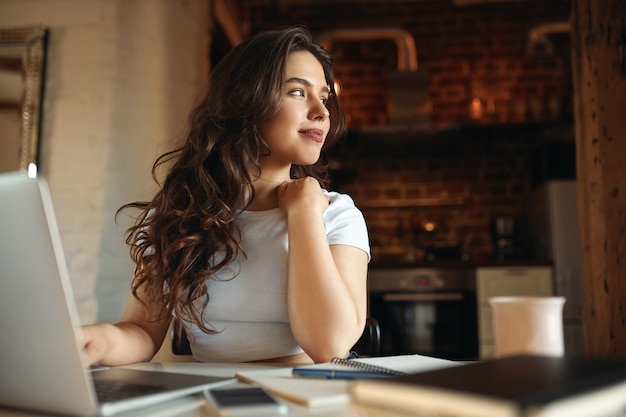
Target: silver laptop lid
40 360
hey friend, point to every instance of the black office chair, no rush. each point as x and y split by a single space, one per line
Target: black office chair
367 345
369 342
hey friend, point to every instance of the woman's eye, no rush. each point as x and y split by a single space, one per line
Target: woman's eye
301 93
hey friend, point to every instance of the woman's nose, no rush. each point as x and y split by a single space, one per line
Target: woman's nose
319 110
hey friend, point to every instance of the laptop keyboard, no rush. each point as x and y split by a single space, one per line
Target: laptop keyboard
109 391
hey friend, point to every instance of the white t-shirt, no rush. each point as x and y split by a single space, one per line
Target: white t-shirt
248 300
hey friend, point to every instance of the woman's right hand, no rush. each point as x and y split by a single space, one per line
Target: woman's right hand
95 342
135 338
122 343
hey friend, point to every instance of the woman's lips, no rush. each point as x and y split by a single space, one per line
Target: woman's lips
315 134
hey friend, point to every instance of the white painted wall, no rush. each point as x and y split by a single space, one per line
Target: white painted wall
121 78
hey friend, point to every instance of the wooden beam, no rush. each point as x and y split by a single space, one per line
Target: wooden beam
599 74
229 21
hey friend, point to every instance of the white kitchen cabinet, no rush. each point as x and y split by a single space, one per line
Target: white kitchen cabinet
506 281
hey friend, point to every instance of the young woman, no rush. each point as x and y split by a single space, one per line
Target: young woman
241 243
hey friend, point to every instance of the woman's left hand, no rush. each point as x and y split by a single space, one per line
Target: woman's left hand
303 193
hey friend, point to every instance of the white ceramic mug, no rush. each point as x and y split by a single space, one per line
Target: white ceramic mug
528 325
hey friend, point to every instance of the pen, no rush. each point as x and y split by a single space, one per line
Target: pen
338 374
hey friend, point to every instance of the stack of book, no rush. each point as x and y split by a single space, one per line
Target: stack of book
515 386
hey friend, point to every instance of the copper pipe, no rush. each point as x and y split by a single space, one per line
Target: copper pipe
407 54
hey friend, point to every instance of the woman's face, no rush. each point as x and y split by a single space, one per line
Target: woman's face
297 132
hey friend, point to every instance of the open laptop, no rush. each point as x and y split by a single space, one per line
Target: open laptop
41 365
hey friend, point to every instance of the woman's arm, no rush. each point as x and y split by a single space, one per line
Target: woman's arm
135 338
326 290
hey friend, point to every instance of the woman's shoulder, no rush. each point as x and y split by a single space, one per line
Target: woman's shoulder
339 201
338 197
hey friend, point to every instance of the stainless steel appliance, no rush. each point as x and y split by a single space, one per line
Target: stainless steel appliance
430 311
553 219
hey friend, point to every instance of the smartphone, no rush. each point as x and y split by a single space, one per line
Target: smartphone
243 401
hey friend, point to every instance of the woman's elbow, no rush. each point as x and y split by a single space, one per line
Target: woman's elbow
335 347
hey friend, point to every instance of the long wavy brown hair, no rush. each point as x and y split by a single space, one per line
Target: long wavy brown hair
187 232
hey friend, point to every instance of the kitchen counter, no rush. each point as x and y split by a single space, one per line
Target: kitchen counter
434 307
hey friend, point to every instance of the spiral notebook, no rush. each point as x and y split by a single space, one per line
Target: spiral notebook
367 368
317 391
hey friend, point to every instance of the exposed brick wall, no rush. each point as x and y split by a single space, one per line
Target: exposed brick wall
468 52
475 174
461 180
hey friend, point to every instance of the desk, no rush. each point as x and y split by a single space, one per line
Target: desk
194 406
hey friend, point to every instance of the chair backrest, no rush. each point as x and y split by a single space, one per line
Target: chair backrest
180 343
367 345
369 342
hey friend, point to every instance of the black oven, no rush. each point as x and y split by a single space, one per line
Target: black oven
429 311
